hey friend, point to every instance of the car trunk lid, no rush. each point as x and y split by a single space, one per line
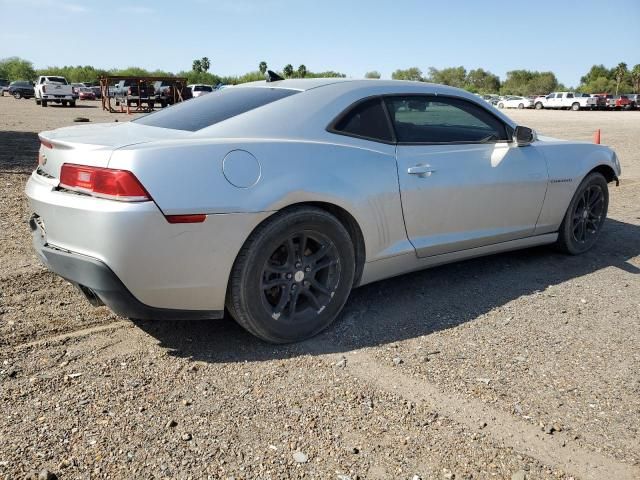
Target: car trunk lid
92 145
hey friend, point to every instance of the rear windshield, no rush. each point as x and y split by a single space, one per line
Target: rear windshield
203 88
57 80
208 110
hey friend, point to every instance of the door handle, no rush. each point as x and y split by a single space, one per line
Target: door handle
421 170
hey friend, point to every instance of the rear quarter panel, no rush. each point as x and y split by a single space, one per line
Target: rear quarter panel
357 175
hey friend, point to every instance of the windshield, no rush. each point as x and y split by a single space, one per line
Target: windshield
208 110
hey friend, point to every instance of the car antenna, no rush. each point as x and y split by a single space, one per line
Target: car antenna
272 76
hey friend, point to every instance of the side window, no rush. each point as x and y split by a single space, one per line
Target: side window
431 119
366 120
569 95
550 96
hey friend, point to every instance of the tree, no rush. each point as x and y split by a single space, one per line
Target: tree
205 64
635 78
413 73
482 81
527 82
262 67
619 73
302 71
288 70
372 74
15 68
197 66
453 76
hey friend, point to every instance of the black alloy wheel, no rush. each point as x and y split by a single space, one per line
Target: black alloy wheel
292 276
585 215
300 277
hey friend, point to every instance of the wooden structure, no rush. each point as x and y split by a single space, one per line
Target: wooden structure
176 87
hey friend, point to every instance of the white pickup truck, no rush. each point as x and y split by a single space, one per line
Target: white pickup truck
569 100
50 89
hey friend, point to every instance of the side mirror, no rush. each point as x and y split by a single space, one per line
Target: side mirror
523 136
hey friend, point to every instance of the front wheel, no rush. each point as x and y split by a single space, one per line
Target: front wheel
72 103
521 106
17 95
292 276
44 103
501 105
539 106
585 216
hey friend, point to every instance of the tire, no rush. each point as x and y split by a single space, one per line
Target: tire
44 103
585 216
270 272
72 103
539 106
501 105
17 95
520 106
63 103
575 106
37 102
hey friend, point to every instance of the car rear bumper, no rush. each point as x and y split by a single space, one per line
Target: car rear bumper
97 281
139 262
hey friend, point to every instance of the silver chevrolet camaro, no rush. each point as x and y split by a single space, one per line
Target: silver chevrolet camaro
274 199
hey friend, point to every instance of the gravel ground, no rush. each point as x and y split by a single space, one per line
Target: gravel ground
522 365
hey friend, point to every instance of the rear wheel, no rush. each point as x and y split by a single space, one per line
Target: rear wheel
585 216
539 106
72 103
293 276
521 105
575 106
44 103
17 95
501 105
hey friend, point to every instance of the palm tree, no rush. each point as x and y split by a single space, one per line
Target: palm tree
635 78
302 71
263 67
197 66
205 64
288 70
619 74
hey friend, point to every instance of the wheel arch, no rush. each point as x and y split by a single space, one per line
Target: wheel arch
345 218
606 171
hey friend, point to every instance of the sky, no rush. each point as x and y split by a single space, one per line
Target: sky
349 36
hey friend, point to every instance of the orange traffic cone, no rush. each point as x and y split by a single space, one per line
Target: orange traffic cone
596 137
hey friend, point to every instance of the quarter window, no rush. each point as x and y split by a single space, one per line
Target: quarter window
367 120
431 119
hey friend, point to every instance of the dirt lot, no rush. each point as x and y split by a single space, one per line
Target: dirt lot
522 365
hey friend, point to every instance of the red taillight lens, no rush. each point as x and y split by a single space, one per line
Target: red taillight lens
103 182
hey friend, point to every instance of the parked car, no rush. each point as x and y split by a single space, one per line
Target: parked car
237 200
603 100
515 102
566 100
51 89
21 89
620 102
199 90
4 86
134 92
634 98
86 93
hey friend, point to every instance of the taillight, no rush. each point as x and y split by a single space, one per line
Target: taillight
44 88
103 182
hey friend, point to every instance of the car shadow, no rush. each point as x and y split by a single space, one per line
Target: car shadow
411 305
